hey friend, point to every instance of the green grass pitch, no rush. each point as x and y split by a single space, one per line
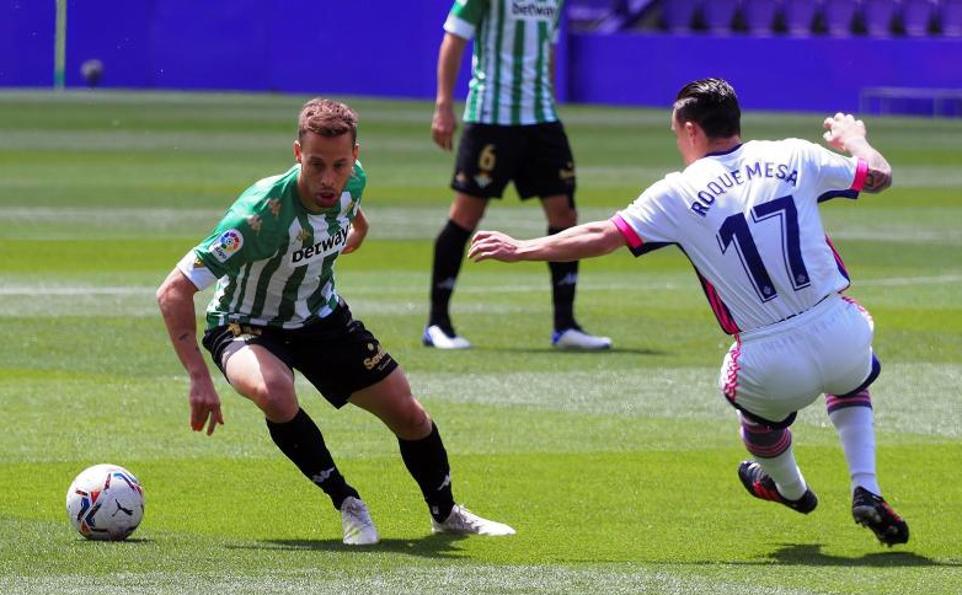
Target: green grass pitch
617 469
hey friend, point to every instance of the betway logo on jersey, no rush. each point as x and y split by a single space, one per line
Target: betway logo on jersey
543 10
321 248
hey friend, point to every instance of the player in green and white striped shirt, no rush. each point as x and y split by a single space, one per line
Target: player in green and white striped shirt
512 132
276 310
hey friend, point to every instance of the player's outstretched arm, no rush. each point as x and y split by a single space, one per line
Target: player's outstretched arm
845 133
449 61
176 300
587 240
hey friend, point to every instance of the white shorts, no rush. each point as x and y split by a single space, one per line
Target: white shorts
774 371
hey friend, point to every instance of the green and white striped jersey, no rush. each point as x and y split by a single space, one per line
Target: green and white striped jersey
273 259
510 80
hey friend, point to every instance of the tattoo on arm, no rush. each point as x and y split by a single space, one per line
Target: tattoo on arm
876 181
879 175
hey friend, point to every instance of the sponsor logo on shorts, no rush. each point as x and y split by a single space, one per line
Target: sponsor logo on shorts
243 332
567 173
482 180
371 362
229 243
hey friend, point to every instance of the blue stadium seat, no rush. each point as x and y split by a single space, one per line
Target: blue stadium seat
799 15
678 14
951 18
877 16
590 10
838 16
916 15
719 14
759 15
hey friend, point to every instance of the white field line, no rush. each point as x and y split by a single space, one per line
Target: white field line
388 223
381 289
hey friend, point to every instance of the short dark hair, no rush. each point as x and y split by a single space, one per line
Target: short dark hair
328 118
712 104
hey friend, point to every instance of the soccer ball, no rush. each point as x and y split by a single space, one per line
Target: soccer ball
105 502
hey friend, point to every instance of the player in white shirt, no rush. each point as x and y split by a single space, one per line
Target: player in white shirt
746 215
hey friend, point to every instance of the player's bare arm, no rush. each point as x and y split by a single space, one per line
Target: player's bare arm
587 240
449 61
357 234
176 300
845 133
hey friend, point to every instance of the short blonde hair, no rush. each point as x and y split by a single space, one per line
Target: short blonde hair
327 118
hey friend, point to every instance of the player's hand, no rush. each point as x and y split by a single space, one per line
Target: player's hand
494 245
204 407
443 125
842 130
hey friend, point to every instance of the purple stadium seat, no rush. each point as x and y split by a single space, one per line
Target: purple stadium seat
952 18
916 15
678 14
877 15
719 14
799 15
838 16
759 15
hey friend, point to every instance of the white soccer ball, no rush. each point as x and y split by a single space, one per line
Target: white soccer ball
105 502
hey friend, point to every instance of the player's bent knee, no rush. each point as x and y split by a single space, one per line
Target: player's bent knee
413 422
274 396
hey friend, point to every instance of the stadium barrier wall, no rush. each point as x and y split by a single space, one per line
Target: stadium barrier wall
772 73
388 48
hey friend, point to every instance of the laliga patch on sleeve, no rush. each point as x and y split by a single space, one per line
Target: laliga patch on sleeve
229 243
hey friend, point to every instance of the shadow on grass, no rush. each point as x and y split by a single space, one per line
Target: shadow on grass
811 555
119 542
573 352
432 546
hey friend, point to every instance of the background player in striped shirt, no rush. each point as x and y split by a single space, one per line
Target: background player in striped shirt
511 132
746 215
276 310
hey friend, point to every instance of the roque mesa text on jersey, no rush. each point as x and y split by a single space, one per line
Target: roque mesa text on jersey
746 173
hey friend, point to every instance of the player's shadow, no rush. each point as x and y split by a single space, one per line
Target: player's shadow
574 352
796 554
431 546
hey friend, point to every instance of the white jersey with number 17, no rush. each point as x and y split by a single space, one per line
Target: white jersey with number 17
748 220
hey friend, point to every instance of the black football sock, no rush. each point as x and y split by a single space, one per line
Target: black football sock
564 280
448 254
300 439
427 462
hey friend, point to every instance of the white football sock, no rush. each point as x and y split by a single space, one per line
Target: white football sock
785 473
856 431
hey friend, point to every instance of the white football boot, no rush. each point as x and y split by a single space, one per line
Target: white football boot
574 338
434 336
356 521
462 521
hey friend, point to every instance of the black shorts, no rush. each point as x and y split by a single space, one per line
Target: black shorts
537 157
336 354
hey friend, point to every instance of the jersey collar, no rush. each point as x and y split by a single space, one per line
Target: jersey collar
719 153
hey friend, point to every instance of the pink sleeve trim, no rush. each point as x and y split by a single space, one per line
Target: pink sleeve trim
631 237
861 173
